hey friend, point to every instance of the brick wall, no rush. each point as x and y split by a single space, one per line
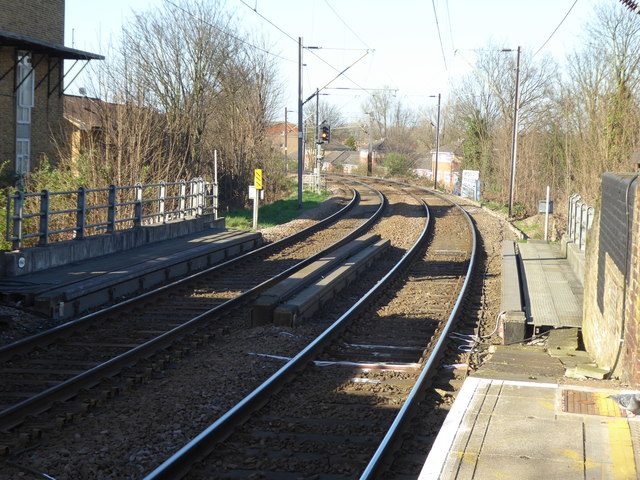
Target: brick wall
41 19
7 105
611 295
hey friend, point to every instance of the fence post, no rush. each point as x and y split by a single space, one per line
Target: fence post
193 197
569 217
182 200
161 201
44 218
18 206
111 210
80 213
215 201
575 198
200 197
137 221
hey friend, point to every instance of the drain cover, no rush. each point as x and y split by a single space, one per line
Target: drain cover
590 403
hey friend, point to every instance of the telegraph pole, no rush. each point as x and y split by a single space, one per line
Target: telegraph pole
514 143
435 170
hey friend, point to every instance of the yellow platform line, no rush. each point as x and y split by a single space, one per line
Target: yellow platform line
624 464
606 406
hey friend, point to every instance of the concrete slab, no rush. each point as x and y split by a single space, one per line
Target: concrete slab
521 363
95 281
517 430
553 294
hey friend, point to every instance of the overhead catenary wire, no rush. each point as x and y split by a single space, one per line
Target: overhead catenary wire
556 29
435 13
235 37
296 41
346 25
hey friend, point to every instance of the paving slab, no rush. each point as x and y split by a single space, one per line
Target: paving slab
504 429
553 293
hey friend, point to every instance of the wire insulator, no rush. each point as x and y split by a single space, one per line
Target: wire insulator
631 5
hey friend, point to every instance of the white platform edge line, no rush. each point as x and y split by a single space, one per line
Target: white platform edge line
441 447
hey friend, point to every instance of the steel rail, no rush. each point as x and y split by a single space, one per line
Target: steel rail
178 465
14 415
381 457
42 339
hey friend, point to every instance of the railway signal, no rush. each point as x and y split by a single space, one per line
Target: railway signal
325 136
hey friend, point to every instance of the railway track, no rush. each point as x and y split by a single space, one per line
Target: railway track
39 372
337 409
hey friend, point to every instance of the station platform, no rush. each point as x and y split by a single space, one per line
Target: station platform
523 414
69 290
553 293
506 429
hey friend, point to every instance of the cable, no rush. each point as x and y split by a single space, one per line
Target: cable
626 279
296 40
433 2
269 21
227 33
453 44
559 25
345 24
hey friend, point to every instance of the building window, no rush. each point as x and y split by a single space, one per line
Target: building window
282 133
23 154
25 94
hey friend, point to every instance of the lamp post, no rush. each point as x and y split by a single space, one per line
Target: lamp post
514 142
435 170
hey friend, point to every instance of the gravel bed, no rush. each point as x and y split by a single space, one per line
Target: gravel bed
115 441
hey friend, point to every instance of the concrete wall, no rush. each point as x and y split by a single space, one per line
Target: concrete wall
28 260
611 295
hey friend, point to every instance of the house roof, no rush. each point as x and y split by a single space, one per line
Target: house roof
277 127
38 46
348 157
83 112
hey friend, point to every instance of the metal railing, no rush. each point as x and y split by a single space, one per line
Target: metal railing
579 220
45 217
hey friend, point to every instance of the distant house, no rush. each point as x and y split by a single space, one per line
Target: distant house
84 123
32 79
448 167
284 137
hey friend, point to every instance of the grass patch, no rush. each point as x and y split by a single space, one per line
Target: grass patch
276 213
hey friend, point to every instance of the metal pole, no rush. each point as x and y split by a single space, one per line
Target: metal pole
546 214
435 170
300 162
317 140
286 141
370 153
514 145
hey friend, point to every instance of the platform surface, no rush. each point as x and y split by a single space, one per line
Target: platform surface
97 275
553 294
506 429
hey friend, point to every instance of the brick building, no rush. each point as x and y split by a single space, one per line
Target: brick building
284 137
32 55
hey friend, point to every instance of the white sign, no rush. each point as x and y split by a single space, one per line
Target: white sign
469 183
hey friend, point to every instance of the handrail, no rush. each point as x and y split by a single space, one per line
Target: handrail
579 220
104 210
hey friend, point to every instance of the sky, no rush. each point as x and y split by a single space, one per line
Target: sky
417 48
